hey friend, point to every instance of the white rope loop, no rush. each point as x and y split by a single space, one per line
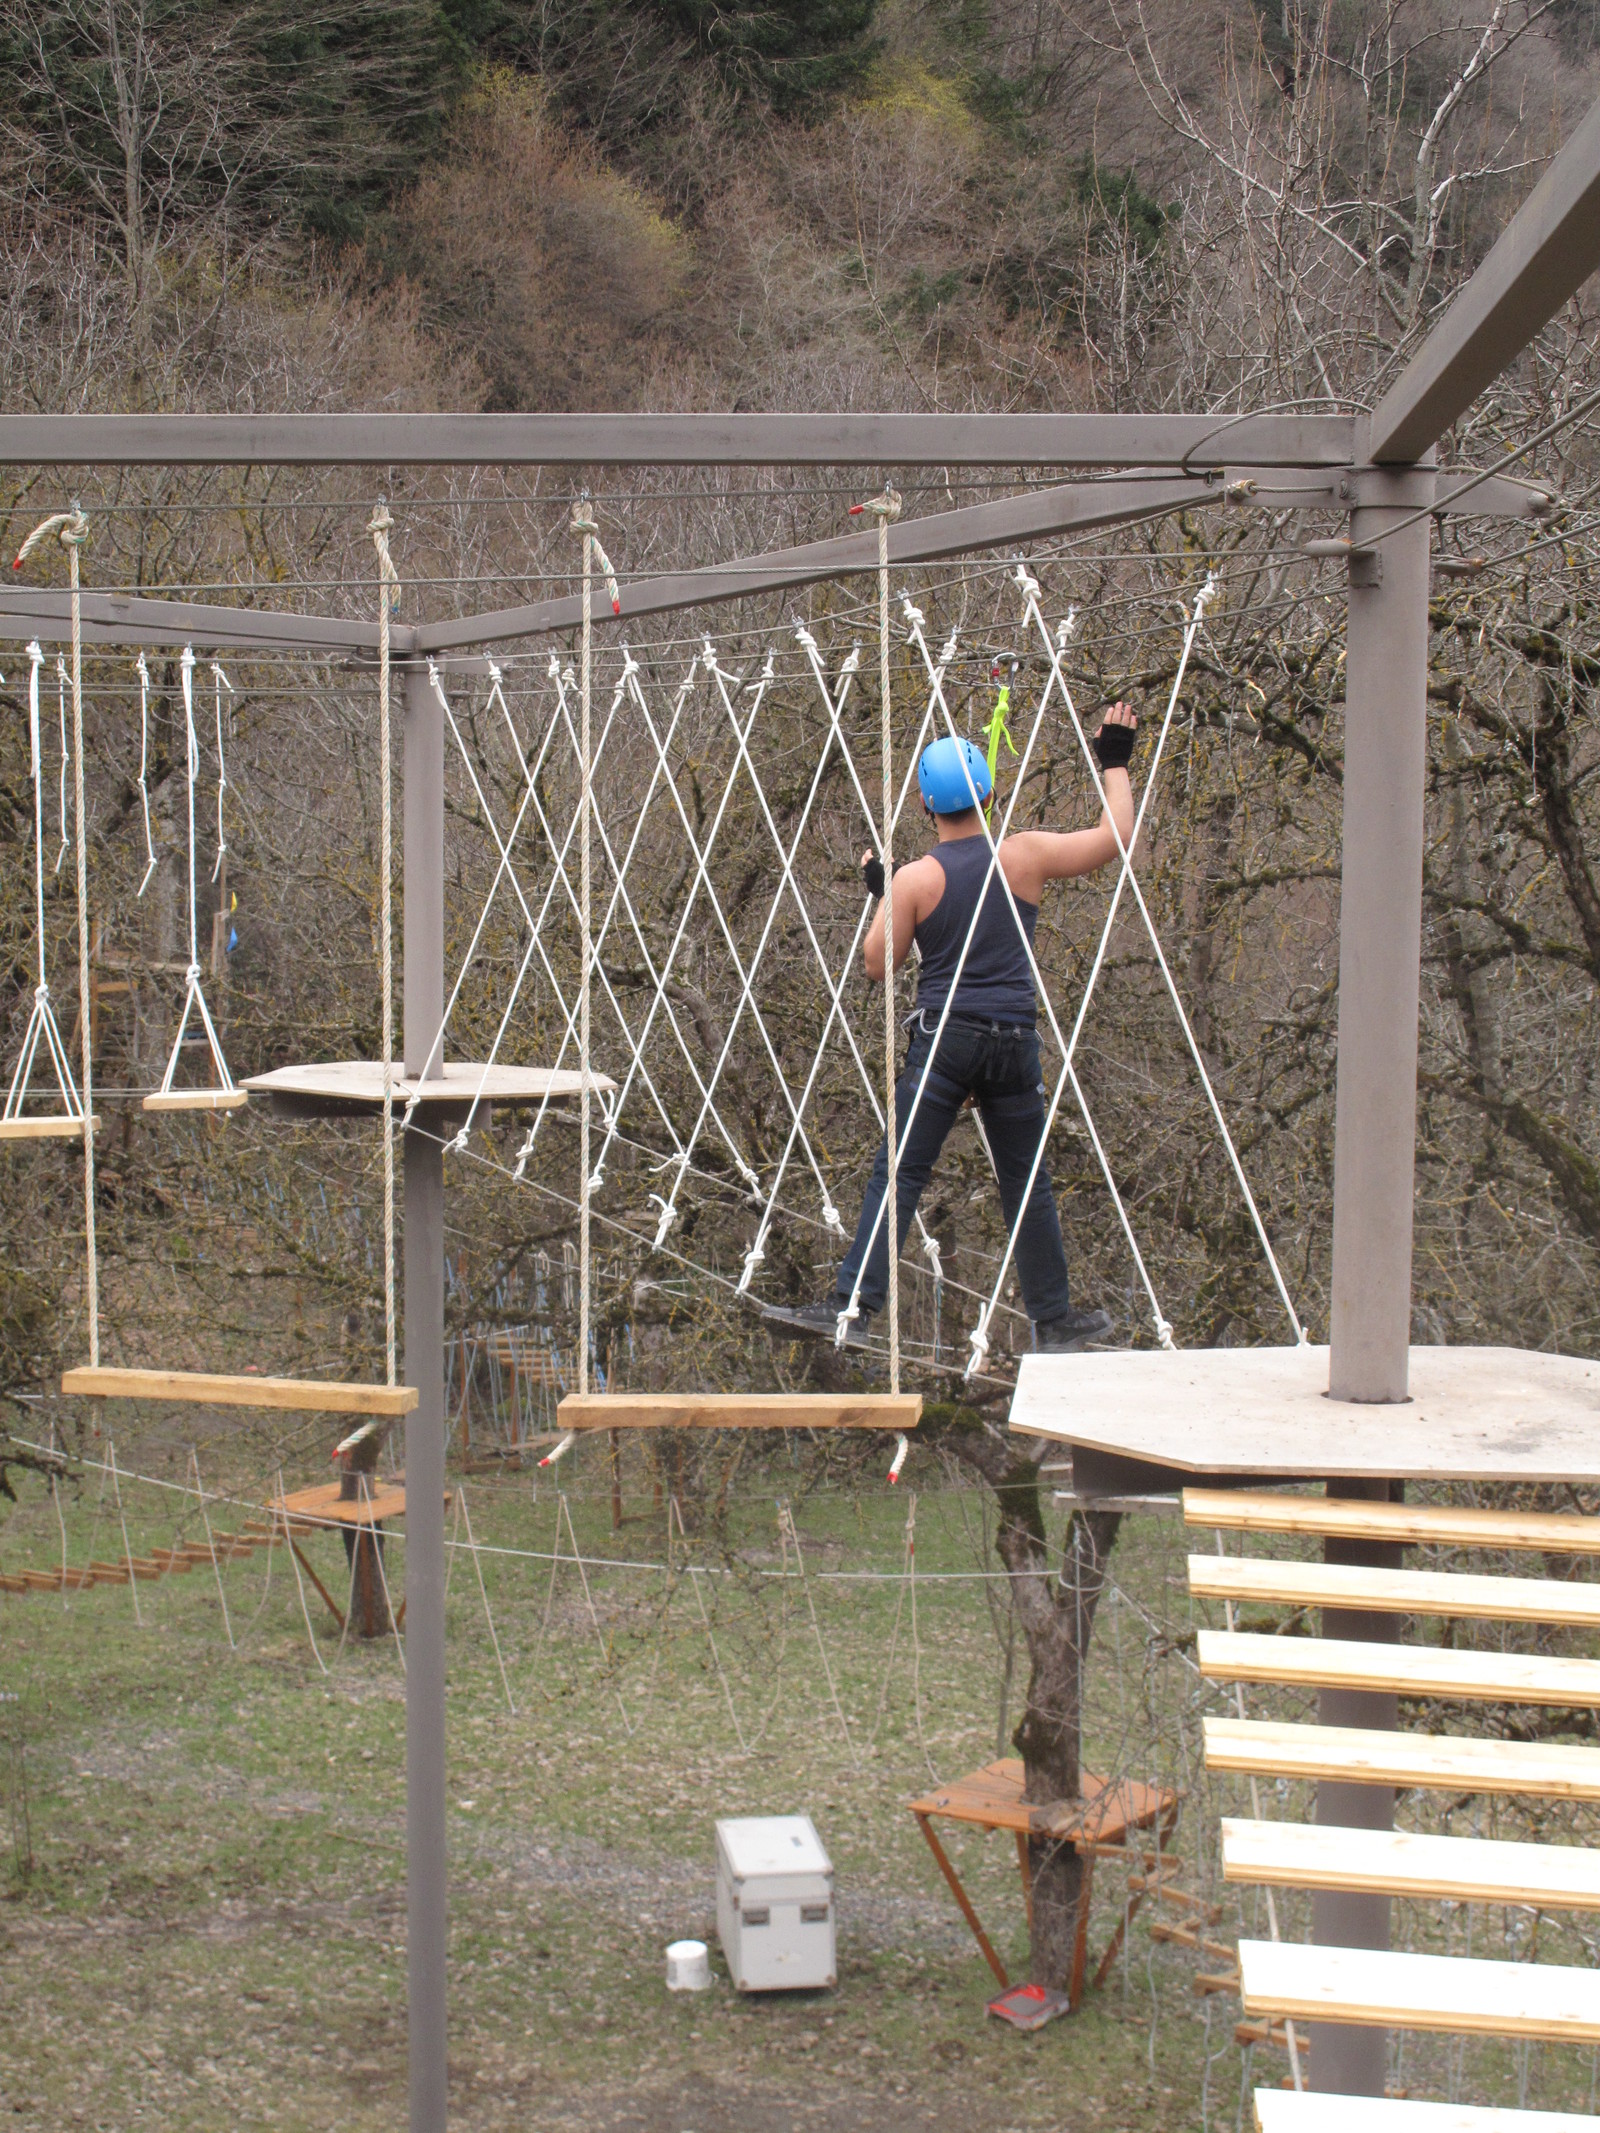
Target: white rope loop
388 597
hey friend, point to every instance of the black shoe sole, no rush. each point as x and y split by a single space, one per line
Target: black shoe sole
808 1329
1095 1331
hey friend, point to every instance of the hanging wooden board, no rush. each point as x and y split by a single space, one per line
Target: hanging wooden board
1345 1518
59 1127
197 1100
318 1395
739 1410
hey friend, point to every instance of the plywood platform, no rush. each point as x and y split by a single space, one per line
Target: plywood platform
356 1085
307 1509
739 1410
1475 1414
991 1798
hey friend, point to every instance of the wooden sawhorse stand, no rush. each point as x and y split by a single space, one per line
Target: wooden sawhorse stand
991 1798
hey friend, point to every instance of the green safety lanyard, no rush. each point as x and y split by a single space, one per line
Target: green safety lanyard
999 731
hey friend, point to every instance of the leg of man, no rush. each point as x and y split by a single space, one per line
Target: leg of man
948 1084
1011 1104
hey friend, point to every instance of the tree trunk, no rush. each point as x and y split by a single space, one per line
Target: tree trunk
1057 1614
369 1604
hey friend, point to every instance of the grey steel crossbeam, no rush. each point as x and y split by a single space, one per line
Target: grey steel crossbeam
1078 508
130 618
1548 250
673 440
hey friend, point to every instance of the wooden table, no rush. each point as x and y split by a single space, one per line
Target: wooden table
991 1798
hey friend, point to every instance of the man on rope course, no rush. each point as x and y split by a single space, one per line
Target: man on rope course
988 1048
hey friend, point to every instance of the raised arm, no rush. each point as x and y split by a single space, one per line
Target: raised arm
1033 857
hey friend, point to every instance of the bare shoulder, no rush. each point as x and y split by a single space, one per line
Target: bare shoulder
924 877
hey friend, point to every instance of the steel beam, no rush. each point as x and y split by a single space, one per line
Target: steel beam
427 1917
1548 250
1078 507
112 618
673 440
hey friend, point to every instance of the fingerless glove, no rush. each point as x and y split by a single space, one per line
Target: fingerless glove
872 875
1113 744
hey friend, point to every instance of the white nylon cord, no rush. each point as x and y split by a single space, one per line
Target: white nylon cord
584 524
220 682
388 592
885 509
42 1025
194 992
66 754
144 765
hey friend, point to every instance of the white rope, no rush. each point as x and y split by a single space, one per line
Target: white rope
66 756
42 1025
194 998
219 682
74 533
375 1541
122 1520
675 1511
388 593
885 509
294 1564
786 1519
483 1593
144 765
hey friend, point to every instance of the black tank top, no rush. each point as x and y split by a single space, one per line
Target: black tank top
996 982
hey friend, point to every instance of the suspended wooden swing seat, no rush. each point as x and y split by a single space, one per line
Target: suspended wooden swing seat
196 1100
335 1396
739 1410
45 1126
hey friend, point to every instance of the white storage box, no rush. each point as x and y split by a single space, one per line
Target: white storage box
775 1904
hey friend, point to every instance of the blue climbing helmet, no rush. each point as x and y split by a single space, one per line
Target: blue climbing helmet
950 773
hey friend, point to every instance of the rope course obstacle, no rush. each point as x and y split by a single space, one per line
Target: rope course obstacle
1377 467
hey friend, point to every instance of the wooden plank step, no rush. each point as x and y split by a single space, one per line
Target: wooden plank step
321 1395
1409 1669
196 1100
1452 1762
1412 1592
1300 1855
739 1410
54 1127
1462 1995
1282 2111
1191 1937
1266 1511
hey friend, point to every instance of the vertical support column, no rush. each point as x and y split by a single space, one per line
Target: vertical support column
426 1904
1380 952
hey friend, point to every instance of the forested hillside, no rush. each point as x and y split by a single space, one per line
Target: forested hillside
818 203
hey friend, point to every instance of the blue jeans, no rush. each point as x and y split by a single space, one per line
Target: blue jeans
998 1065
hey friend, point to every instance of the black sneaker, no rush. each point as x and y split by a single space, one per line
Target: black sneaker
1065 1336
818 1322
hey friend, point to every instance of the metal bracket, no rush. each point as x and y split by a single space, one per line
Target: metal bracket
1366 566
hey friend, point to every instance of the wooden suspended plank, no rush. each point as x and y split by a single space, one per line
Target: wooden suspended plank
323 1505
56 1128
1301 1855
739 1410
1415 1592
1450 1762
197 1100
1409 1669
1284 2111
1462 1995
1265 1511
318 1395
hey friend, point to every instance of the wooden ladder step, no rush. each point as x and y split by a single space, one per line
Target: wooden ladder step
1282 2111
1408 1669
1413 1592
1344 1518
1381 1987
1300 1855
739 1410
1452 1762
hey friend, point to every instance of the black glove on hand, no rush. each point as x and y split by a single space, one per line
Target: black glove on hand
1113 744
872 875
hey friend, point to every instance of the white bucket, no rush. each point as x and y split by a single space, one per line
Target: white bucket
688 1966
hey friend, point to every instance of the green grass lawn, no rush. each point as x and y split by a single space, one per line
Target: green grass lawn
205 1915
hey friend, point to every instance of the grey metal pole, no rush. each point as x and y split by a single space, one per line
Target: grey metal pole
1380 951
426 1901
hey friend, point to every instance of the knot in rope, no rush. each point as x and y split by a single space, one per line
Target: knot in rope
949 650
930 1246
1164 1335
913 615
804 638
885 507
831 1220
72 525
41 994
192 974
979 1340
630 665
584 523
669 1215
1207 593
852 662
553 670
1025 582
841 1332
752 1259
1066 627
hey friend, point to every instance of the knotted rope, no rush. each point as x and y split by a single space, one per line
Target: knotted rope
886 509
388 596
